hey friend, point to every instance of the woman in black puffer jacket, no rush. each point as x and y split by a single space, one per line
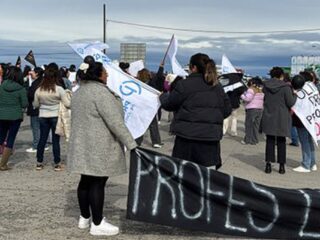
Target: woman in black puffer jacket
200 105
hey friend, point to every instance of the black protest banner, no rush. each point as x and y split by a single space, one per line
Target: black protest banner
30 58
174 192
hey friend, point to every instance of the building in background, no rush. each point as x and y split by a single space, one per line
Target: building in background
131 52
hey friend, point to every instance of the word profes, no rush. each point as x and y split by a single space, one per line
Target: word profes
179 193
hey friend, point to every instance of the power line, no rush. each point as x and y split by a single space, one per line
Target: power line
213 31
37 54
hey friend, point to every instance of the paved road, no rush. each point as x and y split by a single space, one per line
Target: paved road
43 204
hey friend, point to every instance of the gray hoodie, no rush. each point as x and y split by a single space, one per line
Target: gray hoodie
278 100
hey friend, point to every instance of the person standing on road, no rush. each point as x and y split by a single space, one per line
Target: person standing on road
253 98
47 98
145 77
276 117
200 105
96 147
37 76
308 163
231 122
13 99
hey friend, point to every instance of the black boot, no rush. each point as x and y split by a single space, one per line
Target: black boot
268 168
282 169
218 166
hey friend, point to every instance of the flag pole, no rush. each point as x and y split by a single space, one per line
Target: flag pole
104 25
165 55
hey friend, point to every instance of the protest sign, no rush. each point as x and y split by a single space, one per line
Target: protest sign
307 108
174 192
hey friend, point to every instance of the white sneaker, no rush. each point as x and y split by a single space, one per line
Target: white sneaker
314 168
301 169
103 229
243 142
31 150
84 222
156 145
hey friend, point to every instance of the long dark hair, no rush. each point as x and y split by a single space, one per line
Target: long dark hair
51 78
5 68
15 74
206 66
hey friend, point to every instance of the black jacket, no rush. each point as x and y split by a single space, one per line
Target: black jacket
199 109
31 111
157 81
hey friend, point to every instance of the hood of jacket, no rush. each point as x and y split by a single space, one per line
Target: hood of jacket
274 85
11 86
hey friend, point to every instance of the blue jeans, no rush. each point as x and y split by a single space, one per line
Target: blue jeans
307 148
35 127
47 124
9 130
294 136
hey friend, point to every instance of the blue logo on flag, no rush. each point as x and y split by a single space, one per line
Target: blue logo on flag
128 88
101 58
97 56
80 50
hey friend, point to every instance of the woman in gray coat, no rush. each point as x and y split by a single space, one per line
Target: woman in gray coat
276 117
96 150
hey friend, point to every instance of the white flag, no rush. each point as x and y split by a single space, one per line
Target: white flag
84 48
226 66
140 101
172 52
135 67
307 108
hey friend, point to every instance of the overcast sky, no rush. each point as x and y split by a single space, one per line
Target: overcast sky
73 20
67 20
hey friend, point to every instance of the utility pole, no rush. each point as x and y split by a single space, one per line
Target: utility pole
104 25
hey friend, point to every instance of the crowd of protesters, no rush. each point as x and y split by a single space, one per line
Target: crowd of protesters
200 112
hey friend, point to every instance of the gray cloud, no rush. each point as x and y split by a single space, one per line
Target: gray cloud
256 54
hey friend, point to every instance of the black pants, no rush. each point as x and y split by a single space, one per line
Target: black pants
205 153
281 149
154 133
91 196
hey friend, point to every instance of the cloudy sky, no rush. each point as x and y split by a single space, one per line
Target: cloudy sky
46 26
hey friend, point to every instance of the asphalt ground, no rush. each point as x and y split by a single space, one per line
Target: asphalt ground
43 204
